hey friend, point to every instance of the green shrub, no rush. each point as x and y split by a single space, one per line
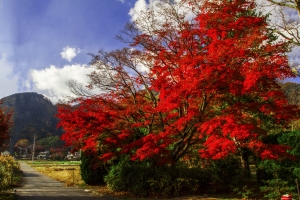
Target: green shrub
91 169
227 172
178 180
279 175
9 172
141 179
275 188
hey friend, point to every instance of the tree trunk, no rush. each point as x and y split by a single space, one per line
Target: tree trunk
245 164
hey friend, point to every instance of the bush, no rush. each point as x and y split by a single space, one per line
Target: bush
275 188
141 179
279 175
91 169
179 180
9 172
227 172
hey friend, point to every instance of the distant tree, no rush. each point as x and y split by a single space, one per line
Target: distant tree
292 91
51 142
23 143
38 148
23 146
58 153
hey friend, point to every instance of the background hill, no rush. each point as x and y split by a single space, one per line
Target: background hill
292 91
33 114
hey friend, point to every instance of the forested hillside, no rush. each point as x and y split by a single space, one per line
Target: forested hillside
292 91
33 114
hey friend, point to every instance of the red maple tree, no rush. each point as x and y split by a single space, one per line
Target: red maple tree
5 124
111 122
211 87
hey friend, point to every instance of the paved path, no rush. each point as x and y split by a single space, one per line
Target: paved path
37 186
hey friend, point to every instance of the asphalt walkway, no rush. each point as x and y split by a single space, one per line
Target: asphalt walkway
37 186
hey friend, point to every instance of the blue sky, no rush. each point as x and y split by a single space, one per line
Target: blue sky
44 43
35 33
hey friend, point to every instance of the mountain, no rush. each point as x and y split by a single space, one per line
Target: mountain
34 114
292 91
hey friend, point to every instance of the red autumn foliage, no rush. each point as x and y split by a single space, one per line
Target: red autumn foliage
212 87
5 124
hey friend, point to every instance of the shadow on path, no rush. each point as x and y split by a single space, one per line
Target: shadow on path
37 186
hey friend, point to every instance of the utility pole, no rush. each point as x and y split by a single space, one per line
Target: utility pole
33 148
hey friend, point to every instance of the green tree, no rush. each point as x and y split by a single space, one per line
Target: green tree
92 170
278 176
51 142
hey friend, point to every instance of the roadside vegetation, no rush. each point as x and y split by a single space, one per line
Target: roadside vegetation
70 175
66 172
54 162
10 177
223 179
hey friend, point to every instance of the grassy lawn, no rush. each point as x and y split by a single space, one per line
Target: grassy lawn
50 162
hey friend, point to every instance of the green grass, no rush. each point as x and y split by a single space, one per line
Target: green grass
50 162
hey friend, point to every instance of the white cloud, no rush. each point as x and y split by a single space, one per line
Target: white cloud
69 53
52 81
122 1
139 7
141 65
294 57
149 17
8 81
283 18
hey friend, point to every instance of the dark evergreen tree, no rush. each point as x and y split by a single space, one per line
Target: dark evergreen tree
92 169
